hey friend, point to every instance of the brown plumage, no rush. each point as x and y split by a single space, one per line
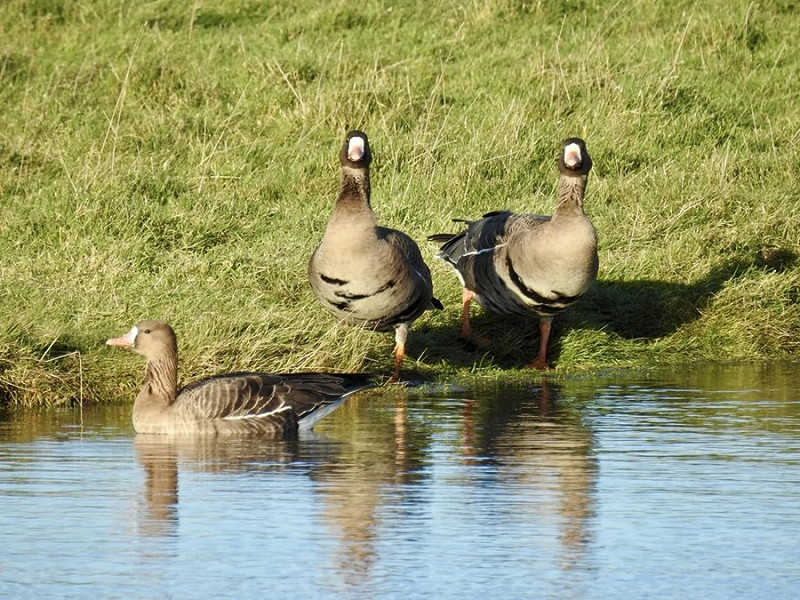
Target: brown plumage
232 403
518 264
365 274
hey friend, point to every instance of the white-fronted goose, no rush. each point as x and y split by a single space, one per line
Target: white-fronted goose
365 274
233 403
517 264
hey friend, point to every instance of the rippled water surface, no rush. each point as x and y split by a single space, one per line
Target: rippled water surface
661 484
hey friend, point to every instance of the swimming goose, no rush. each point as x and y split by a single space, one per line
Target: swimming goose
232 403
516 264
363 273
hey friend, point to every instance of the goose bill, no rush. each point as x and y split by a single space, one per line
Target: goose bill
572 156
125 341
355 148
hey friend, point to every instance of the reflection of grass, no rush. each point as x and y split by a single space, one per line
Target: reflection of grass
178 160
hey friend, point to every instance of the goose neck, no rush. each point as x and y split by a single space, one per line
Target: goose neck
161 378
570 193
355 186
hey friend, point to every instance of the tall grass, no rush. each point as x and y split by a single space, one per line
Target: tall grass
177 160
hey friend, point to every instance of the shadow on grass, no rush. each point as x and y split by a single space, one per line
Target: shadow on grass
650 309
56 350
639 309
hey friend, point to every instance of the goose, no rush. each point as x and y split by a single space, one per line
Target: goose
365 274
230 403
517 264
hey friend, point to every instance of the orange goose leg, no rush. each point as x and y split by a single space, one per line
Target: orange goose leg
466 298
399 355
400 337
540 362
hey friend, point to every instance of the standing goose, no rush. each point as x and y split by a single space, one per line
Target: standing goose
516 264
363 273
232 403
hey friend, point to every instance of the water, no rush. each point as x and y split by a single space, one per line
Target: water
661 484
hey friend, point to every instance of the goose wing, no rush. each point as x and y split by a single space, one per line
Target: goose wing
483 235
263 396
409 266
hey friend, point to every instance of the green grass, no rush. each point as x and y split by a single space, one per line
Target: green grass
178 160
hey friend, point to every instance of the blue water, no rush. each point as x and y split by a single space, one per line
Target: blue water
681 483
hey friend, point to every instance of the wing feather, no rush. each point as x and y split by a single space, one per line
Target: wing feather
263 396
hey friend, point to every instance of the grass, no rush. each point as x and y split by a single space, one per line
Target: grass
178 160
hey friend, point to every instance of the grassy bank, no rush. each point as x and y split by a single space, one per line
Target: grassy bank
178 160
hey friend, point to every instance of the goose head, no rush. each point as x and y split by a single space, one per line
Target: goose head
153 339
574 159
355 151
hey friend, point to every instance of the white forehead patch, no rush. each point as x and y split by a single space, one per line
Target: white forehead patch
572 155
131 336
355 148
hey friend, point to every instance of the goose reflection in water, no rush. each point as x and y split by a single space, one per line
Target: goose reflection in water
163 457
530 439
350 477
158 514
388 472
378 470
